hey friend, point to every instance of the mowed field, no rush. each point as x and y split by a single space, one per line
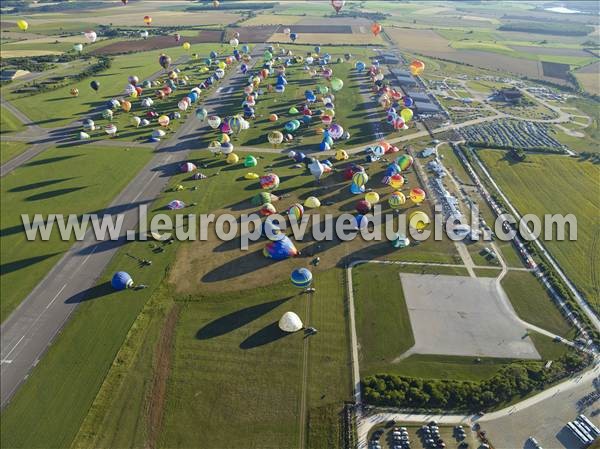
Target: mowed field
589 78
565 186
72 180
66 108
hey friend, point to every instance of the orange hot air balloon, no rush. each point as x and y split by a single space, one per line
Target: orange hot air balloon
376 29
417 67
126 105
147 20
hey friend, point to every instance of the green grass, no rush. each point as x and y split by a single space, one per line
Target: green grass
246 375
533 304
382 320
8 150
47 184
9 123
57 107
564 186
547 347
486 272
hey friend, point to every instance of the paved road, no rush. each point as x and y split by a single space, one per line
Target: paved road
31 328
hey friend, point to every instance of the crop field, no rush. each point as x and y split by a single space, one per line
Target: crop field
330 38
112 83
251 33
575 193
271 19
48 184
589 78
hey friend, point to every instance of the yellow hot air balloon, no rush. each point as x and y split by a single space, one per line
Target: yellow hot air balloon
417 195
23 25
186 46
74 91
163 120
341 155
396 200
232 158
312 202
418 220
406 114
372 197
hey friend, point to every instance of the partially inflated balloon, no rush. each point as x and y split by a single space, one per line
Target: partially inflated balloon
406 114
78 47
164 61
163 120
126 105
396 181
418 220
372 197
91 36
270 181
360 178
186 45
275 137
214 121
405 161
201 113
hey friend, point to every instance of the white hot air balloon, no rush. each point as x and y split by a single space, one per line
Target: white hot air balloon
135 121
83 136
214 121
290 322
91 36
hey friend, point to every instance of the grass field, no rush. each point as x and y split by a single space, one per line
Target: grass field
533 304
8 150
9 123
49 184
66 108
572 189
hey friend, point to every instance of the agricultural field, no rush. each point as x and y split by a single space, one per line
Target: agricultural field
101 174
575 194
589 78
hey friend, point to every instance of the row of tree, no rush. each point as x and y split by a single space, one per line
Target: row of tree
511 381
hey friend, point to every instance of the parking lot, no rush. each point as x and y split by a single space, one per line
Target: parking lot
463 316
427 436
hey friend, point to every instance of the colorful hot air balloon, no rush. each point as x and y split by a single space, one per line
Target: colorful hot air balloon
126 105
376 29
396 200
74 91
417 195
417 67
396 181
301 277
22 25
360 178
297 211
110 129
144 34
147 20
405 161
280 249
275 137
269 181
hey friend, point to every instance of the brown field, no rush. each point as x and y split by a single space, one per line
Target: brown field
256 34
157 43
271 19
25 53
420 41
555 70
589 78
324 39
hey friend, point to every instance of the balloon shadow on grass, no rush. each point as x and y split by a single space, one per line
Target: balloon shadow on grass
237 319
88 294
248 263
17 265
266 335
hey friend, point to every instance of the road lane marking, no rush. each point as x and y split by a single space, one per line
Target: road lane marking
56 296
14 347
145 186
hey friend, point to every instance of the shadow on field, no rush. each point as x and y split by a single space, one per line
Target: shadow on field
264 336
90 293
53 193
237 319
37 185
50 160
10 267
238 267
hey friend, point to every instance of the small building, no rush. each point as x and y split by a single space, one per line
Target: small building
512 95
429 151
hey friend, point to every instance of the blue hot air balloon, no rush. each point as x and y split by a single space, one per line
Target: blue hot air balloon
121 280
301 277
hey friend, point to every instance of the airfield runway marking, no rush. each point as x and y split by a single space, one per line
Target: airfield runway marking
56 296
146 185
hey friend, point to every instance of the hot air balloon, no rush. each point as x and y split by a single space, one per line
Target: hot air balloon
22 25
418 220
95 85
89 125
78 47
301 277
126 105
372 197
396 181
338 5
293 36
110 129
280 249
316 169
164 61
201 114
135 121
214 121
232 158
269 181
186 46
250 161
234 42
297 211
216 3
275 137
74 91
404 161
268 209
83 136
396 200
147 20
177 37
91 36
121 281
164 121
360 178
336 84
363 207
417 67
124 2
360 66
417 195
312 202
273 118
406 114
376 29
